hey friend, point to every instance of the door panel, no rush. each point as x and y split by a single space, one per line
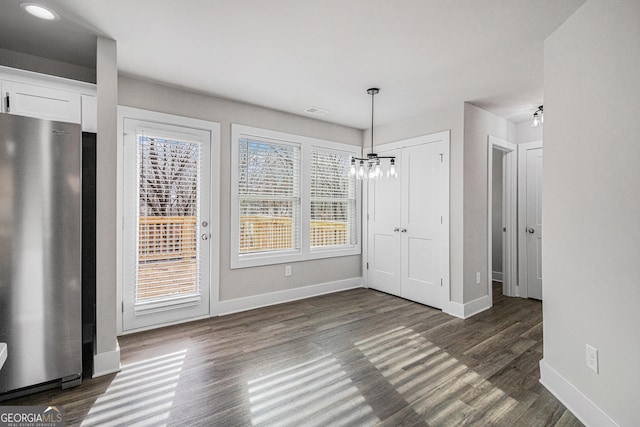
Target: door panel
421 221
534 223
420 260
384 233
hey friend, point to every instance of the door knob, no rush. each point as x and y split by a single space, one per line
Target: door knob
530 230
404 230
205 237
395 230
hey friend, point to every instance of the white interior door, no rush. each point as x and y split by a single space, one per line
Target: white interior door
408 228
384 198
421 250
167 224
531 225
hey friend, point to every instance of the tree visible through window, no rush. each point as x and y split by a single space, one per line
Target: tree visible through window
292 198
168 181
168 177
269 196
333 200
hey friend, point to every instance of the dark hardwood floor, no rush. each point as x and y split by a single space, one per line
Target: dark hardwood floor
358 357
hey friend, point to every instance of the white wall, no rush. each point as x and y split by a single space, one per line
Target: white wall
496 211
246 282
107 355
527 133
450 118
24 61
591 199
478 125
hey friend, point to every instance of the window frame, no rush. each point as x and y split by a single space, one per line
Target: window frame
307 145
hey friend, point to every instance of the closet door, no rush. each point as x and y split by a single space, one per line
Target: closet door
408 227
384 200
422 222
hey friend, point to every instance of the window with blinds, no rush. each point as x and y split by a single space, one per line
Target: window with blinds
291 198
168 209
268 196
333 200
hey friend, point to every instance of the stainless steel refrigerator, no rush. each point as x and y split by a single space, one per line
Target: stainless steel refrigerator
40 252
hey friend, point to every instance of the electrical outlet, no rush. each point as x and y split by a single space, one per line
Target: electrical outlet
592 358
478 278
287 270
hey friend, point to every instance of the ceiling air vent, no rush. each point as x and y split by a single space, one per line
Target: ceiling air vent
316 111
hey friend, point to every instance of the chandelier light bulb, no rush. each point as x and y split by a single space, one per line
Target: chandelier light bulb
352 168
391 173
538 116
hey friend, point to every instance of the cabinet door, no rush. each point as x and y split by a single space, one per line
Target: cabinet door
41 102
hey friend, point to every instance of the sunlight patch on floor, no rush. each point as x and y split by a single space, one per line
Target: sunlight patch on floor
423 373
314 393
141 394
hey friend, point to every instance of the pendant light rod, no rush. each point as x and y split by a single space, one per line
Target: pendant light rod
373 92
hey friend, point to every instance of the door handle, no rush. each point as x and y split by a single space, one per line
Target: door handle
404 230
395 230
205 237
530 230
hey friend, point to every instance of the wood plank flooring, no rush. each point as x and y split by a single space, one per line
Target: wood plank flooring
358 358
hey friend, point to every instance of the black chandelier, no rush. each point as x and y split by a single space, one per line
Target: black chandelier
370 167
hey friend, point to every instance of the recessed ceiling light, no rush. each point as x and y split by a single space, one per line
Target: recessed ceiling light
40 11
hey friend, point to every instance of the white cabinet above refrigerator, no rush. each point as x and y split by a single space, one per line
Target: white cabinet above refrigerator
29 94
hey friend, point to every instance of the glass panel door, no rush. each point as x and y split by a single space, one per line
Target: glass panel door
166 224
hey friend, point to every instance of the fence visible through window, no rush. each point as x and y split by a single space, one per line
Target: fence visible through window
168 192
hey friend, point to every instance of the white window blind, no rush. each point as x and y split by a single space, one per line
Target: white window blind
268 196
333 199
168 265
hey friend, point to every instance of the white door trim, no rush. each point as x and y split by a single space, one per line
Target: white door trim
509 250
522 213
444 136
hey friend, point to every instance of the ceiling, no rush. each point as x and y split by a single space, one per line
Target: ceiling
293 54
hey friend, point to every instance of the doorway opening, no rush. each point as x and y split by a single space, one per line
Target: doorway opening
502 216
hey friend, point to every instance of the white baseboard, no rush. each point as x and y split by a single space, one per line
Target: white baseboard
454 309
579 404
107 362
496 276
273 298
466 310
